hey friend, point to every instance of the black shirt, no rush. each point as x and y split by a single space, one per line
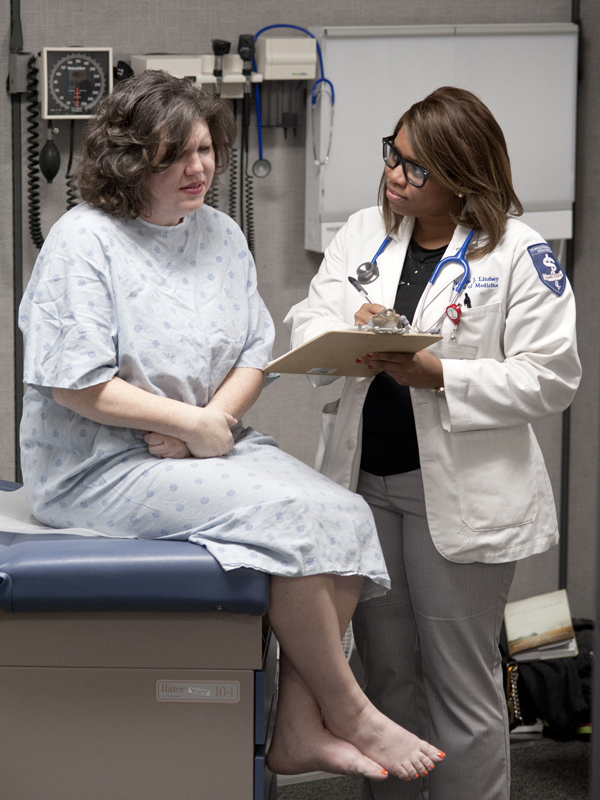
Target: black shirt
389 438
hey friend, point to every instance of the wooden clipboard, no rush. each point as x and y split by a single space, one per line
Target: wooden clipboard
335 352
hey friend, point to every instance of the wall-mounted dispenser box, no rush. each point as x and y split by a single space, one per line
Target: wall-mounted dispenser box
291 59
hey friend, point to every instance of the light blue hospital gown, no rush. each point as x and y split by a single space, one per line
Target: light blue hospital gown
171 310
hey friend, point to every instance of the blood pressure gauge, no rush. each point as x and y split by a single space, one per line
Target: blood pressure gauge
74 79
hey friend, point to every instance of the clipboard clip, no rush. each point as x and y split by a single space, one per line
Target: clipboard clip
388 321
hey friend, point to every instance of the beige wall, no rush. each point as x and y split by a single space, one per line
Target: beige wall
290 408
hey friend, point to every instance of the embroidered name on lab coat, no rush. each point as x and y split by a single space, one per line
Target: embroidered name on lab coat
483 282
548 267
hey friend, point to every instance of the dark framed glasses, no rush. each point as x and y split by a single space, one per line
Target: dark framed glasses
413 173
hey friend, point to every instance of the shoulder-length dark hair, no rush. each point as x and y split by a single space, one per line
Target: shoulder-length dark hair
456 137
121 141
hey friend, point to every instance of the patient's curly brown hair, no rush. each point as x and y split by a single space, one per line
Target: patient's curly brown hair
121 141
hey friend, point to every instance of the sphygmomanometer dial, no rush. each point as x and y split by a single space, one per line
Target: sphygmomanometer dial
76 81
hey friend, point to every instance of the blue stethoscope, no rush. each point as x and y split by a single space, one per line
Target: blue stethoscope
369 272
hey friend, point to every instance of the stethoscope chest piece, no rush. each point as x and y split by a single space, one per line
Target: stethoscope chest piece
367 272
261 168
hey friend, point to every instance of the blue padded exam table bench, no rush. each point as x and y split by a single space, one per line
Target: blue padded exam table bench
131 670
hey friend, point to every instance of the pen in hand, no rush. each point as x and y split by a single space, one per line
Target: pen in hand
359 288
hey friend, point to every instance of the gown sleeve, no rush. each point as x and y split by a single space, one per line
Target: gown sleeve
67 315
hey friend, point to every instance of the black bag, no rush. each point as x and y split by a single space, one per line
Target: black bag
557 690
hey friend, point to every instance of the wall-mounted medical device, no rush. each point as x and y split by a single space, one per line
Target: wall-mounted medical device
525 73
290 59
200 70
74 80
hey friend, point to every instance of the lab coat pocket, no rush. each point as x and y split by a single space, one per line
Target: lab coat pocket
496 477
479 332
328 417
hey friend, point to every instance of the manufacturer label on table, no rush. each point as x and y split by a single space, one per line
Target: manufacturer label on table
198 691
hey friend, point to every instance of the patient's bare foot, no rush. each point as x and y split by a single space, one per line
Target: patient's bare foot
295 750
398 751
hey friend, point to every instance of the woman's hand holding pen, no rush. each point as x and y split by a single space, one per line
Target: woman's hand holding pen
366 311
420 370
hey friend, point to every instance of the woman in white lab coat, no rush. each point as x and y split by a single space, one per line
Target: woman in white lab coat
440 442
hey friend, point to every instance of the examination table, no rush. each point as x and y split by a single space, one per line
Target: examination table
130 670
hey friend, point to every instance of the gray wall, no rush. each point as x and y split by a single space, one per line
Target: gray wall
290 408
584 500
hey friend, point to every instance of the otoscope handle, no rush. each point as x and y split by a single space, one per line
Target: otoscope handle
246 53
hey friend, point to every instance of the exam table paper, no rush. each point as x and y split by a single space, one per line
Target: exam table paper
15 517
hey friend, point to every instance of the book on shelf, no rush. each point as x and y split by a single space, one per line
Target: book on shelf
540 627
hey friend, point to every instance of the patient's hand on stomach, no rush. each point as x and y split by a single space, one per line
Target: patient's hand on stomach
163 446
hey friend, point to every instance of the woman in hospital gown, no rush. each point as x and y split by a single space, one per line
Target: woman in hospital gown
145 340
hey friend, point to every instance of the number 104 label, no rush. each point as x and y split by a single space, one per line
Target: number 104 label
198 691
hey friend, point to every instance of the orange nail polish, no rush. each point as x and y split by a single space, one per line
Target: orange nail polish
384 772
440 754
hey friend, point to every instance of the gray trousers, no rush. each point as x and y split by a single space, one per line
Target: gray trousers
429 649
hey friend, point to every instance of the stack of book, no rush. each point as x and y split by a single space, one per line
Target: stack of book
540 627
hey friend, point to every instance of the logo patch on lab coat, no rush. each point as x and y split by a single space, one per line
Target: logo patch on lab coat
548 266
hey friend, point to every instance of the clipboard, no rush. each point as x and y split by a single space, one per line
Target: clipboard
335 352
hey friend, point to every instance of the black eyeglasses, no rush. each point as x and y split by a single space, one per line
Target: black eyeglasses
413 173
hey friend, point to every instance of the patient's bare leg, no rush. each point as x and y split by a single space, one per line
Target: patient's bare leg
301 743
307 615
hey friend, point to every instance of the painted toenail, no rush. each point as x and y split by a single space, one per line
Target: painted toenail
440 754
384 772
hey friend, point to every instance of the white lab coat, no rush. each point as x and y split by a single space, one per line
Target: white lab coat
487 491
